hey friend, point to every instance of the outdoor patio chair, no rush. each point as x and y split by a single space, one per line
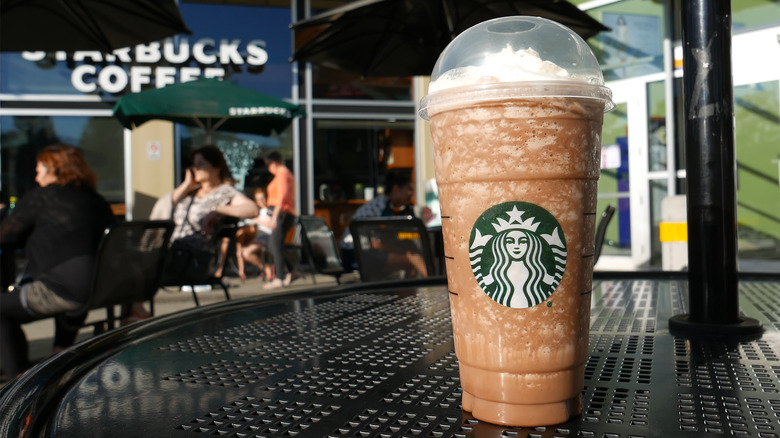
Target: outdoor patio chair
386 248
319 247
436 239
128 268
226 227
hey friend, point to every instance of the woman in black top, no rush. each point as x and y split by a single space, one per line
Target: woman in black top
60 225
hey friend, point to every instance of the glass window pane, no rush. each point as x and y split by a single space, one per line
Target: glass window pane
757 111
351 156
613 182
100 139
634 45
656 103
244 153
267 28
46 76
658 192
336 84
754 13
679 134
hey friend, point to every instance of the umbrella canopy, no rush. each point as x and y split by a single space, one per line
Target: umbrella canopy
71 25
209 104
405 37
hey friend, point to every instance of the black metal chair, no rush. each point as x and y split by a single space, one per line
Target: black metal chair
225 227
388 248
319 247
436 238
128 268
601 229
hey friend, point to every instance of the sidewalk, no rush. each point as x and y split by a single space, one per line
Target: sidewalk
40 333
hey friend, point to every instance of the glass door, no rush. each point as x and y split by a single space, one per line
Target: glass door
623 181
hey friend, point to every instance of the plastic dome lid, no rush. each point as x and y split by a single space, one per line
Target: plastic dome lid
521 55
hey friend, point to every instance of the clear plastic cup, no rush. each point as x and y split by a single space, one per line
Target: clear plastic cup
516 106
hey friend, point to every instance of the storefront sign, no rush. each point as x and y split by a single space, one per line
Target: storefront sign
166 63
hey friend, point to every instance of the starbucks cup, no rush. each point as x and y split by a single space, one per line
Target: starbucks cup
515 107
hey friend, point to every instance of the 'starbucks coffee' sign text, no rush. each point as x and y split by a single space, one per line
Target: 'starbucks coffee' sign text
156 63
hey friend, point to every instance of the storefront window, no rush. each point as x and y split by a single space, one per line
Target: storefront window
756 108
99 138
44 76
658 192
329 83
350 156
656 136
336 84
634 45
244 153
614 182
657 163
754 13
351 159
260 32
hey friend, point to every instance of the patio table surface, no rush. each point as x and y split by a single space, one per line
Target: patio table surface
377 360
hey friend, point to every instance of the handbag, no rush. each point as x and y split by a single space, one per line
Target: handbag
187 263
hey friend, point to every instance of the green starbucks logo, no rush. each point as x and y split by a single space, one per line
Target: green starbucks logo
518 254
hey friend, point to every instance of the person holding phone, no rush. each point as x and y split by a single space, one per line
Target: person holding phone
204 195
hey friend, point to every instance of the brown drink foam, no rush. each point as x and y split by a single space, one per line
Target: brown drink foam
520 366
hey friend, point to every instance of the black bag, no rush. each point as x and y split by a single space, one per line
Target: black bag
188 265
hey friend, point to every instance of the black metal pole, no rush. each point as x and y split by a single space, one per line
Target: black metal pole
711 173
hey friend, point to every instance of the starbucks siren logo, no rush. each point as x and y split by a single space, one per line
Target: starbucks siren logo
518 254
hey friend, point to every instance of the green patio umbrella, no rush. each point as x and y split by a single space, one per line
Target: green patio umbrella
210 104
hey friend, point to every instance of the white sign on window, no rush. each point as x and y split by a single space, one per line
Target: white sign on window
610 156
153 150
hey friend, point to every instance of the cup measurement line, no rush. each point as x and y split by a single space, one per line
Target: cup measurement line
451 292
587 292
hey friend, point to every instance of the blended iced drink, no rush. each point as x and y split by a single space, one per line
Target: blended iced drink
515 107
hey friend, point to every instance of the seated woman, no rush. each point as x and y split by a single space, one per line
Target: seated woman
204 196
60 225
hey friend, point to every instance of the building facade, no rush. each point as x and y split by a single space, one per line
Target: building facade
358 129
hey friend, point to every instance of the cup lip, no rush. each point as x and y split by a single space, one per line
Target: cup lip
457 97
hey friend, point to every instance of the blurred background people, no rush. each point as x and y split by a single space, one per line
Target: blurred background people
227 238
396 200
281 203
60 225
205 195
252 239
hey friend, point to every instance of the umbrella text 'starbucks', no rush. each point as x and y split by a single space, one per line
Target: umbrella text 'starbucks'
259 110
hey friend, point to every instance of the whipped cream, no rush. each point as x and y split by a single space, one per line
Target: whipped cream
507 65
